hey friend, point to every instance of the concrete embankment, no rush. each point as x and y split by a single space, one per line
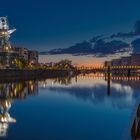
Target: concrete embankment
16 74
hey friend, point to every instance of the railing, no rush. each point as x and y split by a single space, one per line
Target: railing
111 67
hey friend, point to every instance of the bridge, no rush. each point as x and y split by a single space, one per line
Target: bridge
109 69
113 78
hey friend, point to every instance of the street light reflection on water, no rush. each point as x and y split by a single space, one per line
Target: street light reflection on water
8 93
87 105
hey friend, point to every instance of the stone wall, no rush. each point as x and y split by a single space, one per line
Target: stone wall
12 74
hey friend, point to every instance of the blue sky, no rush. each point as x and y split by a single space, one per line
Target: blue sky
48 24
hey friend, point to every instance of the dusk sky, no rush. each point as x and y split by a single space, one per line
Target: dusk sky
45 24
48 24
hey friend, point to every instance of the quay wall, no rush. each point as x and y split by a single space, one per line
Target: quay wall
17 74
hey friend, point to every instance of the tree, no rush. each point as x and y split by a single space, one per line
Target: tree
21 63
64 64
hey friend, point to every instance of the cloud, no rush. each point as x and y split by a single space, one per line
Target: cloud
100 48
110 47
123 35
96 38
131 34
137 27
101 45
136 45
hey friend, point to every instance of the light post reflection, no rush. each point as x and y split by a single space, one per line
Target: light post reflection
8 93
96 89
5 118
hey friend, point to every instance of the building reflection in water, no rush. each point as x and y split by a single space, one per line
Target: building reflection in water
9 92
109 81
95 88
120 90
5 118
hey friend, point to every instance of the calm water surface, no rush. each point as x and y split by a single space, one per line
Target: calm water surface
81 108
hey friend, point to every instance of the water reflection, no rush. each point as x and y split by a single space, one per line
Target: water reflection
5 118
94 89
120 93
9 92
63 81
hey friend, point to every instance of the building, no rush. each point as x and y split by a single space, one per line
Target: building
107 63
126 61
8 58
135 60
22 52
33 57
6 53
9 54
116 62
